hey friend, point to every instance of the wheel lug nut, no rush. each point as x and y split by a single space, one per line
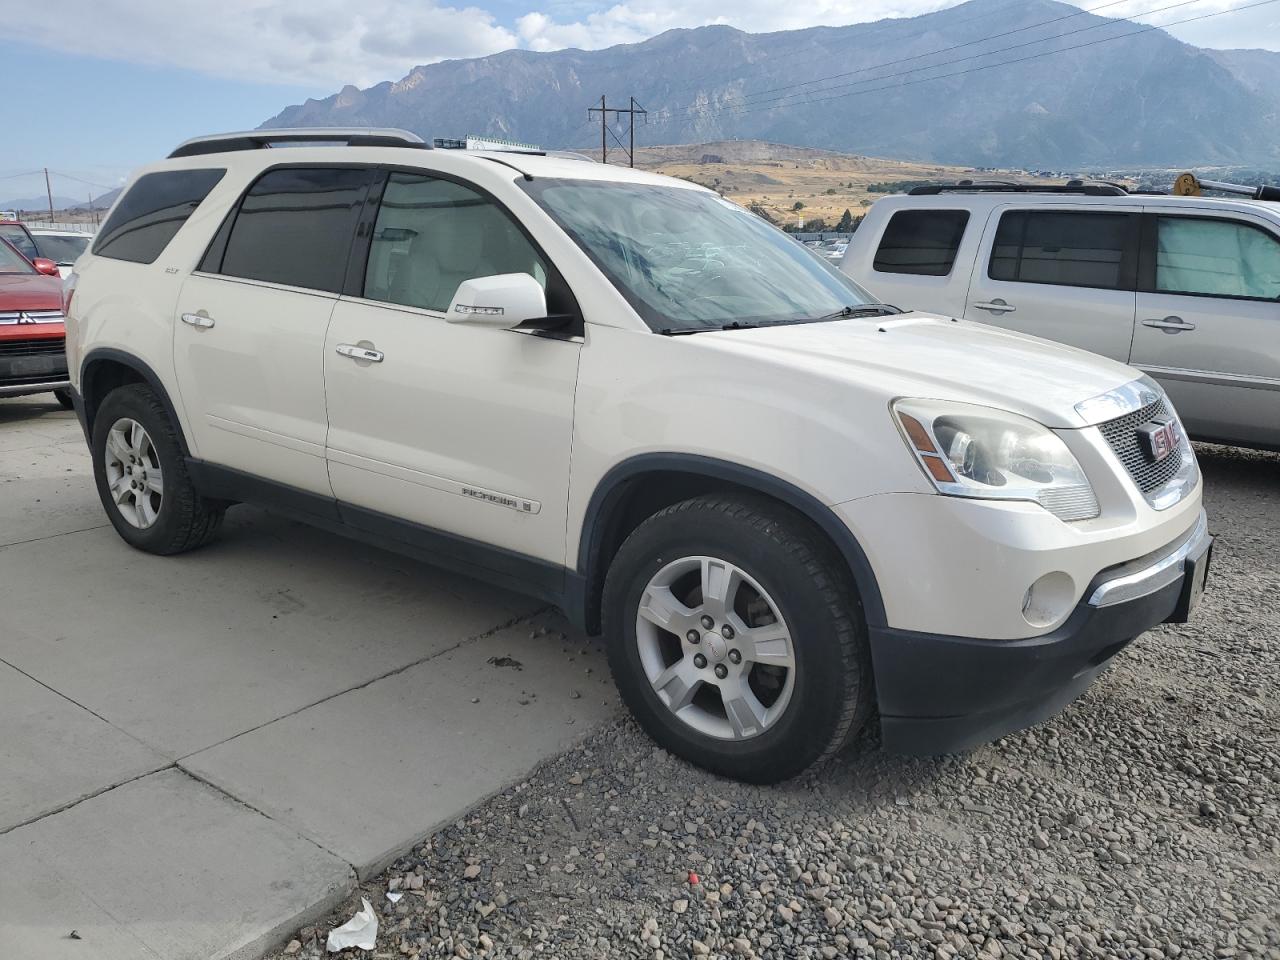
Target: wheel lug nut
721 671
727 632
707 622
693 636
735 656
699 661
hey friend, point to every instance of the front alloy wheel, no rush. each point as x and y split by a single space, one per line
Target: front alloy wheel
715 648
735 636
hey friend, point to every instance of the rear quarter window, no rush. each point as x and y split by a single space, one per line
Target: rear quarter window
921 242
151 213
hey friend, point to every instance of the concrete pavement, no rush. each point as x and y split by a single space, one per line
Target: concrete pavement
198 754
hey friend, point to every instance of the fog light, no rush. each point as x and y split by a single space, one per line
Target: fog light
1048 599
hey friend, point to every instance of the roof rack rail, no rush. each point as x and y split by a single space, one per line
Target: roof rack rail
263 139
1088 189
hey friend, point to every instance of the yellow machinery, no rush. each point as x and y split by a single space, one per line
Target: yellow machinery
1189 185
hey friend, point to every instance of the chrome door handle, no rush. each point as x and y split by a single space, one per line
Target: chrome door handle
1170 324
200 320
359 353
996 306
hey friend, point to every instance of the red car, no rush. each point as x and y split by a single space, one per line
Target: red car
33 355
17 234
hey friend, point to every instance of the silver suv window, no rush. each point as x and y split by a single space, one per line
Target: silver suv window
1220 258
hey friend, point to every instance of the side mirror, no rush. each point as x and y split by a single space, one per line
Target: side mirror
46 266
505 300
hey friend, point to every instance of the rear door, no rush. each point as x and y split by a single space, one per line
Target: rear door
1063 273
249 337
1209 321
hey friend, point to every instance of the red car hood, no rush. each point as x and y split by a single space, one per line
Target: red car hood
29 291
25 291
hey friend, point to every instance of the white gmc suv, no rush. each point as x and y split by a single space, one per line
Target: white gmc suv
783 503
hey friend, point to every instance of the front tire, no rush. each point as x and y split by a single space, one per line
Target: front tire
142 477
736 638
64 399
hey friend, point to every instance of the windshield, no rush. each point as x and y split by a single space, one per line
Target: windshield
61 250
11 261
689 260
17 235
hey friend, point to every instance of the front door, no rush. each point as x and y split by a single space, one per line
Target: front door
459 428
1209 322
249 335
1065 275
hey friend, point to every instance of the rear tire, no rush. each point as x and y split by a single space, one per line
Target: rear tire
64 399
779 677
142 477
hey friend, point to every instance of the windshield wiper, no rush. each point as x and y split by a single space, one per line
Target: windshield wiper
731 325
867 310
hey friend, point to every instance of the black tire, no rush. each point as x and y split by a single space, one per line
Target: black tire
64 399
810 584
185 520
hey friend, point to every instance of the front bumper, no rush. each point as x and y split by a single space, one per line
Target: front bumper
942 694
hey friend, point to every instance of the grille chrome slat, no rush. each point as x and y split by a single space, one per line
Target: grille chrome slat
1121 435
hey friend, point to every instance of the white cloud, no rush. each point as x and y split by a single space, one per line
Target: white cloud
324 43
330 43
638 19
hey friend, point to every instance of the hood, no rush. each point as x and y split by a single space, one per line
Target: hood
29 291
921 355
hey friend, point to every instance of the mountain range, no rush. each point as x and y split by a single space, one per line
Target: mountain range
1035 84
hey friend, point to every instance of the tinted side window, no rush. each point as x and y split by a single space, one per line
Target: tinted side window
148 216
19 237
295 227
1221 258
923 242
432 234
1074 249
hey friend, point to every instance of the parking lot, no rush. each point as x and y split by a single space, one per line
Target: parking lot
199 753
205 755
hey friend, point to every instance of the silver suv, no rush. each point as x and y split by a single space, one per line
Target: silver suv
1186 289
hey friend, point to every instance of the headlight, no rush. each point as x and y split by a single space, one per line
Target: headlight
973 451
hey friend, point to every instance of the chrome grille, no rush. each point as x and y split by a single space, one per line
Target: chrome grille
1122 435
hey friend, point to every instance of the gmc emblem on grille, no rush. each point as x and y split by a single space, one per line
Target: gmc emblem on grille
1159 438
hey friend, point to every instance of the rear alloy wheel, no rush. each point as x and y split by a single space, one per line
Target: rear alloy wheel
134 475
142 477
735 636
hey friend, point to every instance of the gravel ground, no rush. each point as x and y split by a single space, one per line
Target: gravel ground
1144 822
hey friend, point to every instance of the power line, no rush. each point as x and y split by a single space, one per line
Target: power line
976 56
957 46
960 73
887 24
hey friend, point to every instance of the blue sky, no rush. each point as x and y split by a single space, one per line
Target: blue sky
178 68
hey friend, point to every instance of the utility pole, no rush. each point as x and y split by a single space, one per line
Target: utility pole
48 191
632 112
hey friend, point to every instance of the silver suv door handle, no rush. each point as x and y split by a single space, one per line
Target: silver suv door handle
1170 324
996 306
359 353
198 320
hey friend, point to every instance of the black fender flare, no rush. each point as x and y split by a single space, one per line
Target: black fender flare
140 367
608 493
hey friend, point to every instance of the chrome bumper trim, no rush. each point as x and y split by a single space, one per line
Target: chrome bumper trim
26 389
1156 575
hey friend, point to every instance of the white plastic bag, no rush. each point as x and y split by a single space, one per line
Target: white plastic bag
360 931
